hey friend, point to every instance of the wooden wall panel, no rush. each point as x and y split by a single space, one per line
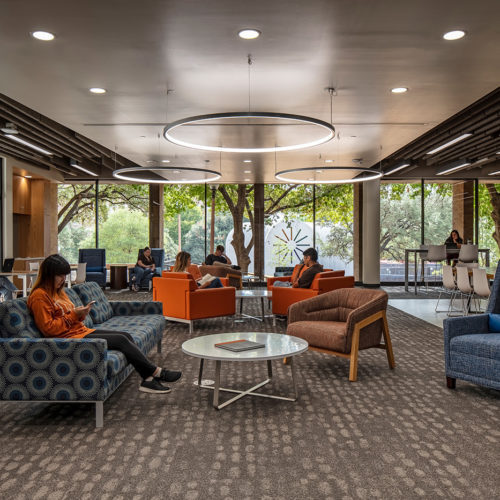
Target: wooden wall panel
21 195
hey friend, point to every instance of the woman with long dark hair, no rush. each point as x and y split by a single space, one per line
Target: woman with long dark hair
183 262
56 316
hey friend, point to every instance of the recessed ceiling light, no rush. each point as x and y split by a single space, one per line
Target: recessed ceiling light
319 171
249 34
454 35
328 161
399 90
247 161
27 176
247 180
176 171
43 35
165 161
247 172
150 161
97 90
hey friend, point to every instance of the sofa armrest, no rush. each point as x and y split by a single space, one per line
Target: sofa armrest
464 325
49 369
136 308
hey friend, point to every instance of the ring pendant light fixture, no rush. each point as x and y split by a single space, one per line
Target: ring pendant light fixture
244 118
133 174
329 131
319 175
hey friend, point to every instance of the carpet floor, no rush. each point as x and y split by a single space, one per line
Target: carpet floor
393 434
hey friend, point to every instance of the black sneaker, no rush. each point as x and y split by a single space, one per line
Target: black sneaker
169 376
153 387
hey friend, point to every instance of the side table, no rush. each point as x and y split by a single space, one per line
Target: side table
118 276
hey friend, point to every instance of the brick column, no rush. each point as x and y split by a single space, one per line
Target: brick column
156 220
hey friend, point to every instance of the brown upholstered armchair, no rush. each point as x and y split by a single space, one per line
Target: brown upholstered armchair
342 322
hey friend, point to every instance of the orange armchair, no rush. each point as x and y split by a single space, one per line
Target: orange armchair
284 297
183 301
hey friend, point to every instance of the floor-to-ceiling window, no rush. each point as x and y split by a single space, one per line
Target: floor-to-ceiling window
334 229
486 222
76 219
400 228
438 212
123 221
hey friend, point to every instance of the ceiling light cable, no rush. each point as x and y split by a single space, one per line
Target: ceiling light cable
250 62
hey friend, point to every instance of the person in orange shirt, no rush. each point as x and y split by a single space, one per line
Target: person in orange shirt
56 316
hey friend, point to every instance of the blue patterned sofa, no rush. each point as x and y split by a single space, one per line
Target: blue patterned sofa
472 344
34 368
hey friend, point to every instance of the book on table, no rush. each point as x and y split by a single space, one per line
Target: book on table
240 345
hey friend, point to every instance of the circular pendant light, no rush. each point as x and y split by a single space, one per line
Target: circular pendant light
327 130
328 175
176 175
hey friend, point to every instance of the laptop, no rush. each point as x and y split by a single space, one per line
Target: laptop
8 264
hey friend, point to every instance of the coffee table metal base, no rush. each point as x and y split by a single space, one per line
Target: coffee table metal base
249 392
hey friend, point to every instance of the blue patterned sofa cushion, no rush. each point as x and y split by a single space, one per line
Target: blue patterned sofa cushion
101 311
75 298
16 320
480 345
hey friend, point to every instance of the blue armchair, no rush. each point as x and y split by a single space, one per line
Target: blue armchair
158 255
96 264
472 345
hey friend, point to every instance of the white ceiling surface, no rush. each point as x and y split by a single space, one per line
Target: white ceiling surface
136 50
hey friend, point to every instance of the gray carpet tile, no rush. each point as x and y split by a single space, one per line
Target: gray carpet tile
392 434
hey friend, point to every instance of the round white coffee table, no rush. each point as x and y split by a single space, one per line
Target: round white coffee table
277 346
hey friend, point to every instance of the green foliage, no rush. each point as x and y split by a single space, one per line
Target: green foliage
71 238
122 234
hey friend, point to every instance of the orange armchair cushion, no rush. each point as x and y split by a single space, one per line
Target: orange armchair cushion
182 299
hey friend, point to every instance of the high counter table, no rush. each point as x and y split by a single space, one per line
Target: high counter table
449 251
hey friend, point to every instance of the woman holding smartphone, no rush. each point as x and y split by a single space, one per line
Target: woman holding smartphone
56 316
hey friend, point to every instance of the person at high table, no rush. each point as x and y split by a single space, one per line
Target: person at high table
56 316
453 241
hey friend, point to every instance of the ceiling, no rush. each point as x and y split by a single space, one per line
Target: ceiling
139 50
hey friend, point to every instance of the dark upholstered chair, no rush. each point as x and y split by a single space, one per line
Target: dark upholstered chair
158 255
95 258
343 322
472 345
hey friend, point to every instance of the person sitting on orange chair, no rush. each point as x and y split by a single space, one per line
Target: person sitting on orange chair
310 268
182 263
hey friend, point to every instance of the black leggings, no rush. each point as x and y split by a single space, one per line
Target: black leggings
124 342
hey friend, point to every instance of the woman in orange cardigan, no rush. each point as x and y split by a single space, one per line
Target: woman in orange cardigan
56 316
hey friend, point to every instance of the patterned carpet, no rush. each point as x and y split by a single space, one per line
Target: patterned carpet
392 434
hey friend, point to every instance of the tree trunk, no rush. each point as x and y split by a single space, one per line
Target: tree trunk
495 213
237 211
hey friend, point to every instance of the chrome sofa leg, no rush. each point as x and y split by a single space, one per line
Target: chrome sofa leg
99 414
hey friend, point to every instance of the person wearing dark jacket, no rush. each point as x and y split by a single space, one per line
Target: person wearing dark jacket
309 269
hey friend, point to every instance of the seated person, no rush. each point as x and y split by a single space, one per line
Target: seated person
56 316
219 256
183 261
453 241
310 268
144 268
